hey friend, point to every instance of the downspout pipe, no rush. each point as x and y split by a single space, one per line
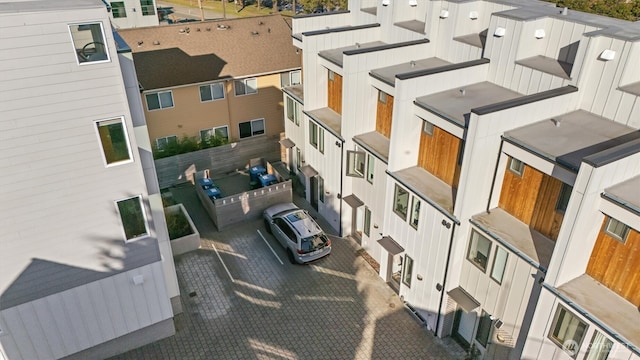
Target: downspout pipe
446 272
341 144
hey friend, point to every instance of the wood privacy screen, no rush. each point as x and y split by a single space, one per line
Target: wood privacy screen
439 155
334 100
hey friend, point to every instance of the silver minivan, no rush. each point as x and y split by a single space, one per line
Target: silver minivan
297 232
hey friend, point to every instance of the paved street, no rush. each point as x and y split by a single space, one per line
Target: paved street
248 302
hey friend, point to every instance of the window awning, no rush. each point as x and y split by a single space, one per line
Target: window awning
390 245
287 143
353 201
464 299
308 171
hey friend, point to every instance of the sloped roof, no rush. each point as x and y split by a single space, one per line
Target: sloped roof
187 53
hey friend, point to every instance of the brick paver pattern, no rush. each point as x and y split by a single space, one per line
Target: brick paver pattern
335 308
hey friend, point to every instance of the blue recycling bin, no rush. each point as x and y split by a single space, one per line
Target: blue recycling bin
214 193
255 172
206 183
268 179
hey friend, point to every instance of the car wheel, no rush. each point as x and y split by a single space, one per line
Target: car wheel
292 259
267 226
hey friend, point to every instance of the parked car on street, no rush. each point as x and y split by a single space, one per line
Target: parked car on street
297 232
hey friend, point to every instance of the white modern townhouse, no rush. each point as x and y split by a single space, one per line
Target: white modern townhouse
86 269
469 147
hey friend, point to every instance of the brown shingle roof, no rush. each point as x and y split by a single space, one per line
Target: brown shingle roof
187 53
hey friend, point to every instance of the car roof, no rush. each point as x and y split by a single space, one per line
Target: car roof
279 209
304 225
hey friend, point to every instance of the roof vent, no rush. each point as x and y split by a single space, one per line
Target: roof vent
255 33
556 122
198 29
463 92
140 43
412 63
223 27
260 23
208 29
156 42
358 45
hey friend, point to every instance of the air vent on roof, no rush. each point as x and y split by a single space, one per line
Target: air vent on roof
255 33
260 23
208 29
198 29
223 27
156 42
140 43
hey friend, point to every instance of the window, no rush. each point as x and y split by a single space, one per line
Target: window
298 159
118 10
617 230
246 86
290 108
321 140
427 128
371 161
415 212
320 189
499 264
113 138
355 163
291 78
484 329
133 218
296 112
401 202
599 347
563 199
382 97
479 249
286 229
407 271
210 135
516 166
159 100
212 92
567 331
367 221
313 134
147 7
251 128
164 142
89 42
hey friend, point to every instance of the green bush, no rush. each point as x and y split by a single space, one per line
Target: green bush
187 145
177 224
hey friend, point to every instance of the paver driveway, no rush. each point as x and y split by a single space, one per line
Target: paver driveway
252 306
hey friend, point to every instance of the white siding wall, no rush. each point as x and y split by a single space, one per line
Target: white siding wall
76 319
312 23
538 345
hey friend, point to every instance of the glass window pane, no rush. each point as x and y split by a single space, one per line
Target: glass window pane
132 217
296 77
599 348
321 140
354 159
258 126
479 248
88 40
370 167
401 202
147 7
284 80
166 99
245 129
415 212
320 188
113 138
153 102
118 10
222 132
205 93
567 331
290 108
408 271
239 86
484 329
367 220
218 90
499 264
252 86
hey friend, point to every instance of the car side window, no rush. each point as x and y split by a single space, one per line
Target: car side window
286 229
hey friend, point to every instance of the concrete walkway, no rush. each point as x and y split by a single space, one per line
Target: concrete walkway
243 300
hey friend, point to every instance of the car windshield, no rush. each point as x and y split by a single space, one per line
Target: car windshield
315 242
296 216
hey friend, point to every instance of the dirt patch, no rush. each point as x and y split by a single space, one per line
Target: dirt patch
369 259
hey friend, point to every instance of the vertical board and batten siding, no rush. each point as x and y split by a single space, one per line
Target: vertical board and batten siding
295 133
427 246
616 264
334 93
532 199
576 242
316 22
507 300
439 155
384 112
600 92
76 319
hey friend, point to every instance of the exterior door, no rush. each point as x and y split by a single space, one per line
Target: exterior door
356 223
464 324
394 271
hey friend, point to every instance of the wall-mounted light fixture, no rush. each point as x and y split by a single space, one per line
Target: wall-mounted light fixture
413 2
138 279
338 144
386 2
539 33
608 55
444 14
473 15
500 31
419 277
